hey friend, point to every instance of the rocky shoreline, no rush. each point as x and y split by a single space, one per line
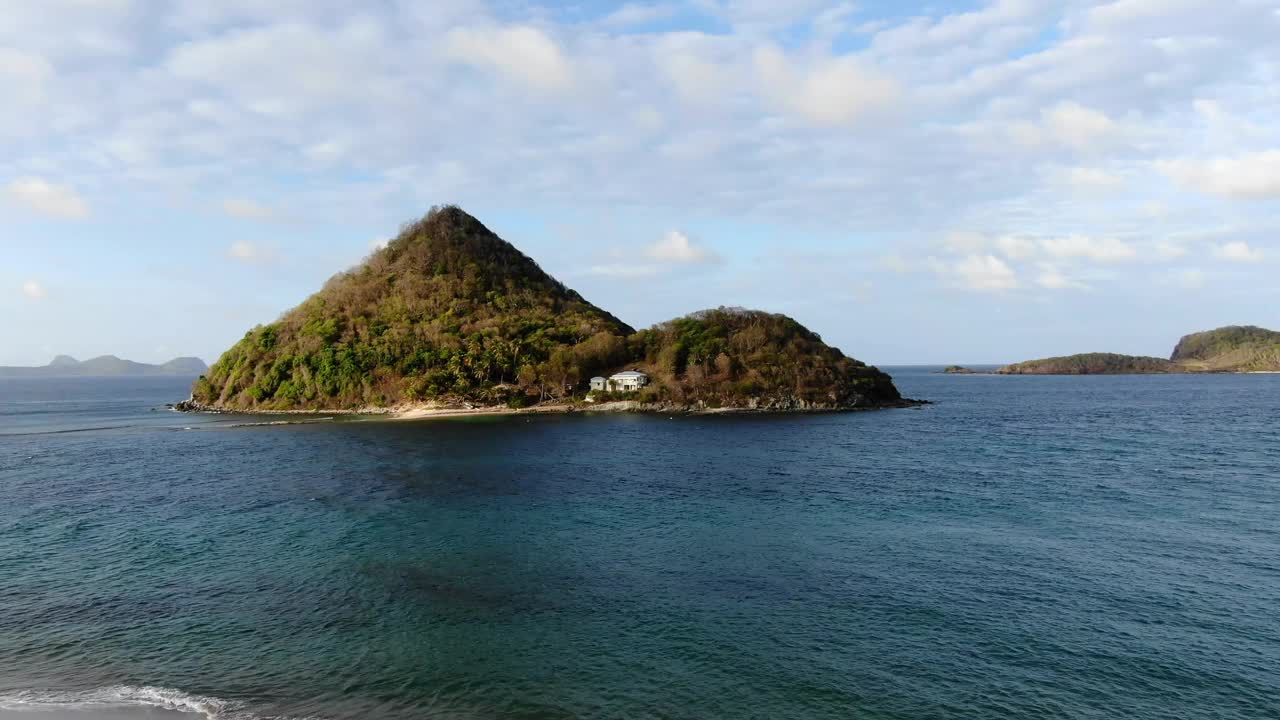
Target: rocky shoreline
438 410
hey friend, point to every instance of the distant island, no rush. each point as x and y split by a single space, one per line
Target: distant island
107 366
451 317
958 370
1233 349
1090 364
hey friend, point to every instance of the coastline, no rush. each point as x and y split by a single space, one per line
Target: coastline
430 411
1064 374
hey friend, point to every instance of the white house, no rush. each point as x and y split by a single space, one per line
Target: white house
629 381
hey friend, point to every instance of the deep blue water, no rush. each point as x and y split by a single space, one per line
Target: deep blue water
1028 547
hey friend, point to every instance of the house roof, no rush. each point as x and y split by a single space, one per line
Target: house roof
629 374
596 378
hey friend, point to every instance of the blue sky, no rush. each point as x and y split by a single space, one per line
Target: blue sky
917 182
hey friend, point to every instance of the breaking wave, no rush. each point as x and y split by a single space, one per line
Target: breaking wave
121 696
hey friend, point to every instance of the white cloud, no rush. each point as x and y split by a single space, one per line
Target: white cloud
1052 278
760 16
981 272
964 242
671 251
25 77
897 263
248 210
835 20
1066 124
41 196
1075 125
327 151
34 290
746 120
1026 247
1156 18
1091 179
1016 247
1189 279
685 62
675 247
830 91
1103 250
71 29
1169 250
638 14
1238 251
285 70
1253 176
521 52
246 252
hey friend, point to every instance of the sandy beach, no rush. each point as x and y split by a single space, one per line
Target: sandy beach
431 412
428 412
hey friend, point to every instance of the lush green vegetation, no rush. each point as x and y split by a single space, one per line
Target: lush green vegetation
450 312
1230 349
446 310
1091 364
731 357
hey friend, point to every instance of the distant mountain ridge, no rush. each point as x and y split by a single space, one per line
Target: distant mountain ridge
108 366
1231 349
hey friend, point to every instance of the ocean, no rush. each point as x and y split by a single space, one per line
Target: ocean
1026 547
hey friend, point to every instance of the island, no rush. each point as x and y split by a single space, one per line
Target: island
107 366
1090 364
449 317
1232 349
958 370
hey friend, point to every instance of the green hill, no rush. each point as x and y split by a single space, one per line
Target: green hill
1230 349
1227 349
731 357
1091 364
447 309
450 313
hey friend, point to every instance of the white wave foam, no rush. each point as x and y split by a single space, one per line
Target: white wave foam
273 423
128 696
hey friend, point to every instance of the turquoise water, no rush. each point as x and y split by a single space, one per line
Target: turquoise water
1089 547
